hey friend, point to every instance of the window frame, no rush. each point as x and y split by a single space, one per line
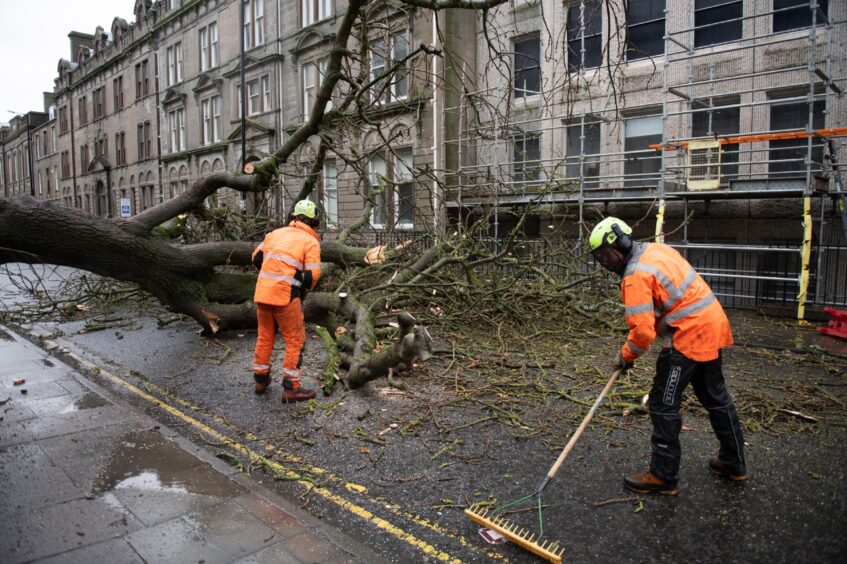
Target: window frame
118 92
581 135
330 187
518 72
528 169
733 24
582 37
651 155
795 16
633 53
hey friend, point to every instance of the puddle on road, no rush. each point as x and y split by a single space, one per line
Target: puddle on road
146 461
138 461
88 400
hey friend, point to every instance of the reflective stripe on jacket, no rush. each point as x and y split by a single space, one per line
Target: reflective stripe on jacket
291 259
664 296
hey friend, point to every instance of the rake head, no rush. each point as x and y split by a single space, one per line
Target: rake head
550 551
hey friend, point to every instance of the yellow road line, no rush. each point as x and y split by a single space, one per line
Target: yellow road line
357 510
322 472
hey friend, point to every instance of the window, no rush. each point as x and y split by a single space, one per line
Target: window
381 60
583 146
313 11
174 57
380 93
120 148
404 196
211 109
716 21
266 93
84 158
788 156
83 111
254 102
141 153
377 171
527 157
309 81
258 96
44 144
142 81
148 140
527 66
66 164
63 119
709 119
254 23
99 97
118 93
795 14
209 47
645 28
400 80
642 164
101 147
176 126
330 195
585 28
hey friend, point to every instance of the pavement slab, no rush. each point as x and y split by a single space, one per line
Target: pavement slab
89 478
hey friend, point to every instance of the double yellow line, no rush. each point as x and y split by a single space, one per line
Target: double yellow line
280 470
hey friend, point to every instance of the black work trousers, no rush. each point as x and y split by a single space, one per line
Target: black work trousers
673 373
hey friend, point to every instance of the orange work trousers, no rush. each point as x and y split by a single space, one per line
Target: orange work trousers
289 318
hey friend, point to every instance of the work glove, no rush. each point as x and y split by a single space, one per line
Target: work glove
621 363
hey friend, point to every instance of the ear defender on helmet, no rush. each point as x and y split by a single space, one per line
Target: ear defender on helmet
621 240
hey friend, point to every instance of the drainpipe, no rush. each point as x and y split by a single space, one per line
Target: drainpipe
29 156
73 138
154 37
436 197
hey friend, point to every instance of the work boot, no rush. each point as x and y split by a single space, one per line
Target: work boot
720 469
262 382
295 392
648 483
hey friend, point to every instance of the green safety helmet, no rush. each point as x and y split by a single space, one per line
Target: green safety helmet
607 232
307 208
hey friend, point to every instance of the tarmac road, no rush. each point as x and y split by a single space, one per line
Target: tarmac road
401 489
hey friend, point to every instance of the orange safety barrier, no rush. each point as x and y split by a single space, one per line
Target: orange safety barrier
837 326
799 134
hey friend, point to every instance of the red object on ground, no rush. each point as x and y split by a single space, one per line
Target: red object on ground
837 326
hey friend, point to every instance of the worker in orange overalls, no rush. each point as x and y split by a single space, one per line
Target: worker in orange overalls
664 296
289 260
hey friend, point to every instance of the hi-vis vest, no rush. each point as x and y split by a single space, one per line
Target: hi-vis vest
664 296
291 259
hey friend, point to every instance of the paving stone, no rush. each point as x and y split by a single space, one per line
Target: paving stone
233 529
274 554
176 541
54 529
82 455
15 410
33 390
59 425
14 433
116 551
67 403
283 523
309 547
23 466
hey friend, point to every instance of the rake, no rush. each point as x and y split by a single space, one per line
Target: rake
494 520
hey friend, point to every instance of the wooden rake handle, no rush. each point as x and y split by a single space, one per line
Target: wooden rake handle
569 447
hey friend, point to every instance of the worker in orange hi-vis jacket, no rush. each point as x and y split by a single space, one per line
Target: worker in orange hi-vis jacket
289 260
665 297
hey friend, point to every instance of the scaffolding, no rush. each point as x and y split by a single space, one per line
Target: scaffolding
741 122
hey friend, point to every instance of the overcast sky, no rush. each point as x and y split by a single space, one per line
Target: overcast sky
34 36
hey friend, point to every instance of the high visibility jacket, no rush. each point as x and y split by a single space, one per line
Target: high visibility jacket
291 260
664 296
